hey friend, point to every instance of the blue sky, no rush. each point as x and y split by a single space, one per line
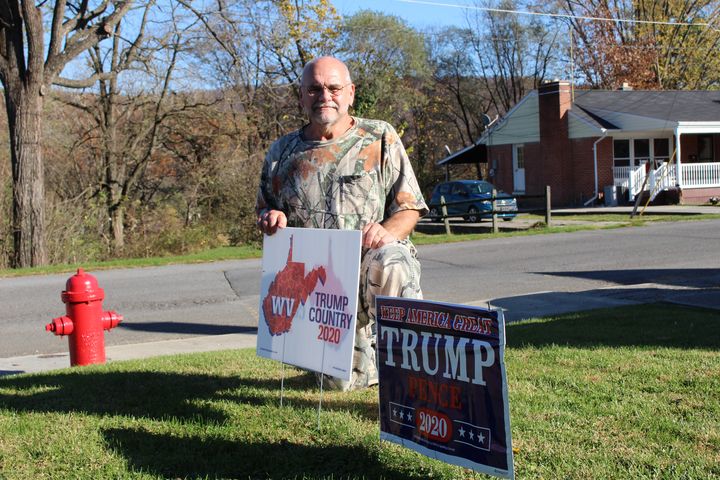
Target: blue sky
418 15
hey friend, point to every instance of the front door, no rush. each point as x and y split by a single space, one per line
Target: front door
518 168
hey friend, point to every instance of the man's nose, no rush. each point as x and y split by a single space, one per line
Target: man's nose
325 94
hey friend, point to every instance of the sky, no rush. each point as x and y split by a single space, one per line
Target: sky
417 13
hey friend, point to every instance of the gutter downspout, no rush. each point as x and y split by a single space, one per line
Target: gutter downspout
595 164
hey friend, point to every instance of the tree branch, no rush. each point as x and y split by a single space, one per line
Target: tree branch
32 18
56 27
83 82
84 40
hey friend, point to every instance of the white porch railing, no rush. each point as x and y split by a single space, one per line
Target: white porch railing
621 175
694 175
700 175
636 180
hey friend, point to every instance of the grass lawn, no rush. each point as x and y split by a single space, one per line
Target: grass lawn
628 393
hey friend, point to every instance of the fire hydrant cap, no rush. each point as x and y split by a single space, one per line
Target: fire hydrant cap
82 287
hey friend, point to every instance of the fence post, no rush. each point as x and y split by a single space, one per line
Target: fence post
548 215
494 213
446 220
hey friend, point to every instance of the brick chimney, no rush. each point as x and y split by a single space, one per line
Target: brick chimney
554 100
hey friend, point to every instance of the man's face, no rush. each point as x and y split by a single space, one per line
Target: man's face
326 93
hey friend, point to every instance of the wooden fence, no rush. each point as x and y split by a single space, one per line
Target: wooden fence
529 200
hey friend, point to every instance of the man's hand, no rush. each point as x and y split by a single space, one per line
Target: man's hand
374 235
269 221
396 227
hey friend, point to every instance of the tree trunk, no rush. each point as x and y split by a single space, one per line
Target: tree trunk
117 224
24 109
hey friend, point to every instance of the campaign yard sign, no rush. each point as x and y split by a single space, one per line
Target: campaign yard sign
443 389
308 298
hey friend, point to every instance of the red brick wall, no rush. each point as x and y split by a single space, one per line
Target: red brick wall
698 196
534 175
500 159
555 153
583 187
688 147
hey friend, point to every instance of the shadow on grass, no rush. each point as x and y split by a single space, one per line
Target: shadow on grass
649 325
155 395
201 457
163 395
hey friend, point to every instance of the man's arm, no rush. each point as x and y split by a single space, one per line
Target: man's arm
396 227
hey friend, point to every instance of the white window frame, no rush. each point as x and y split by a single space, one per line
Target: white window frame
637 161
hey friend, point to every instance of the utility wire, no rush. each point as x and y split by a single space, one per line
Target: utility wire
555 15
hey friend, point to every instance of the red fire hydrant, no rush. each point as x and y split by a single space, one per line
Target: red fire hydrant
85 320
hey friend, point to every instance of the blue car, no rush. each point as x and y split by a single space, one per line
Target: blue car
473 200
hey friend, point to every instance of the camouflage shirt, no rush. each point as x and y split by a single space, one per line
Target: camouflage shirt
360 177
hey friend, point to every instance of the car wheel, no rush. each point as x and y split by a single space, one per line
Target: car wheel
473 216
434 214
508 219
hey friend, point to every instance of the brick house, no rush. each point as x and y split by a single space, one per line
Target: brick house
589 143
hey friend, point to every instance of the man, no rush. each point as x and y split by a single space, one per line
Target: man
343 172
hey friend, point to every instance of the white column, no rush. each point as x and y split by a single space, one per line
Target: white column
678 163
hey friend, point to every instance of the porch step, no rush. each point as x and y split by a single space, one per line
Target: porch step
664 197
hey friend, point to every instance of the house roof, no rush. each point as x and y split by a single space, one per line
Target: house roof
624 112
476 153
667 105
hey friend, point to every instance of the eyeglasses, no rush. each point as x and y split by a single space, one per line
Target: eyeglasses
317 90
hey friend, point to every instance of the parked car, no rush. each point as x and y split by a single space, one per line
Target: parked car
473 200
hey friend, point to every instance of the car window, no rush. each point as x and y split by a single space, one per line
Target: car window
485 187
444 188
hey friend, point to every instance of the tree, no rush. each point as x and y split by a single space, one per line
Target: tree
128 123
458 88
515 55
653 44
27 71
387 59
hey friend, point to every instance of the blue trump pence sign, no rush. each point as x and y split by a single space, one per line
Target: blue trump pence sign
443 389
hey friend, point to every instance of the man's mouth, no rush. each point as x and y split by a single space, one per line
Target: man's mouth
325 106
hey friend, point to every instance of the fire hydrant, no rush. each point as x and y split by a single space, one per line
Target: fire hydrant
85 320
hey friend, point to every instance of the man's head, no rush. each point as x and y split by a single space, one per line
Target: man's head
326 92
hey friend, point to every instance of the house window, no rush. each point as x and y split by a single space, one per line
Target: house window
642 150
705 148
661 150
621 153
520 149
638 151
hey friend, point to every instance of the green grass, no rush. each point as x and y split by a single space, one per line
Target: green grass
606 394
212 255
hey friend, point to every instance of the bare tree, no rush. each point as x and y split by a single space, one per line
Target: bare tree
27 71
514 54
127 124
653 45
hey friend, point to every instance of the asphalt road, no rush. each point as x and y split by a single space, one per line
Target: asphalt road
528 276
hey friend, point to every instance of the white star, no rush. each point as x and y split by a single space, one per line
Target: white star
472 435
394 412
481 437
462 432
402 414
409 416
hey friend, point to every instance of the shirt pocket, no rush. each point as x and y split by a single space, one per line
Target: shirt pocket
357 197
356 186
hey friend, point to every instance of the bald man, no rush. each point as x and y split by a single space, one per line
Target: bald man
344 172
